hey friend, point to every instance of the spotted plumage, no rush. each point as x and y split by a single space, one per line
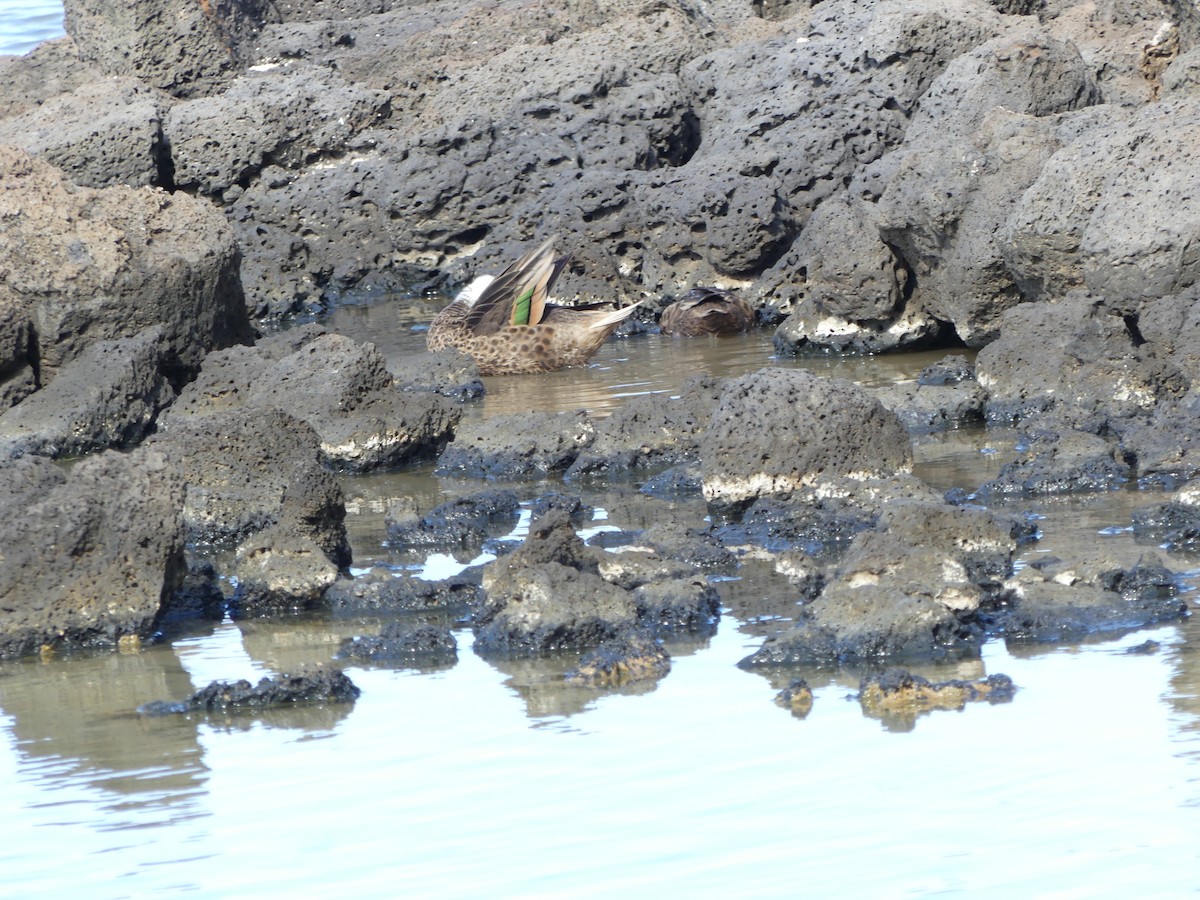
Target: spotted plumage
508 325
706 310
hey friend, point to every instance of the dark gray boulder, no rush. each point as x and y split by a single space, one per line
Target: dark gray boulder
342 389
313 684
778 430
547 596
462 523
1059 461
80 265
943 208
1116 211
1164 447
911 588
383 591
50 69
626 659
107 397
279 571
102 133
1076 358
1063 601
450 373
648 432
520 445
1175 523
1024 70
183 48
247 470
283 114
1171 328
91 554
925 408
855 287
678 606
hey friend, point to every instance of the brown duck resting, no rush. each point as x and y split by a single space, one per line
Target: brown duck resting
707 310
508 325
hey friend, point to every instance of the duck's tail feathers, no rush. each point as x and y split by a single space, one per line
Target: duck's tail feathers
610 319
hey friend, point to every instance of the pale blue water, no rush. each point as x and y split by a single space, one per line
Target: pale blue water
498 781
26 23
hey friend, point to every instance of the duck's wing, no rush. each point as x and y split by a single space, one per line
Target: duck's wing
518 295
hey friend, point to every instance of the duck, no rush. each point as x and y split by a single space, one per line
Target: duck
508 325
707 310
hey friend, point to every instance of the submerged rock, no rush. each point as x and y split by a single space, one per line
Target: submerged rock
403 644
382 590
1059 461
898 697
1176 523
556 593
460 523
618 662
797 696
678 606
307 685
278 572
651 431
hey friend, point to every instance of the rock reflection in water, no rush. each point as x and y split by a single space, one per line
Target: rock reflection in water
77 713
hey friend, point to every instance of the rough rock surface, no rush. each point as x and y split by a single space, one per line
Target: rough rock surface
79 266
1059 462
1176 523
90 554
283 114
280 571
381 591
547 596
461 523
621 661
102 133
342 389
898 697
1067 601
247 470
181 47
1095 217
648 432
1077 358
911 588
107 397
520 445
307 685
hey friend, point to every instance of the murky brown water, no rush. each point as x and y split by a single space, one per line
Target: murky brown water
482 780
